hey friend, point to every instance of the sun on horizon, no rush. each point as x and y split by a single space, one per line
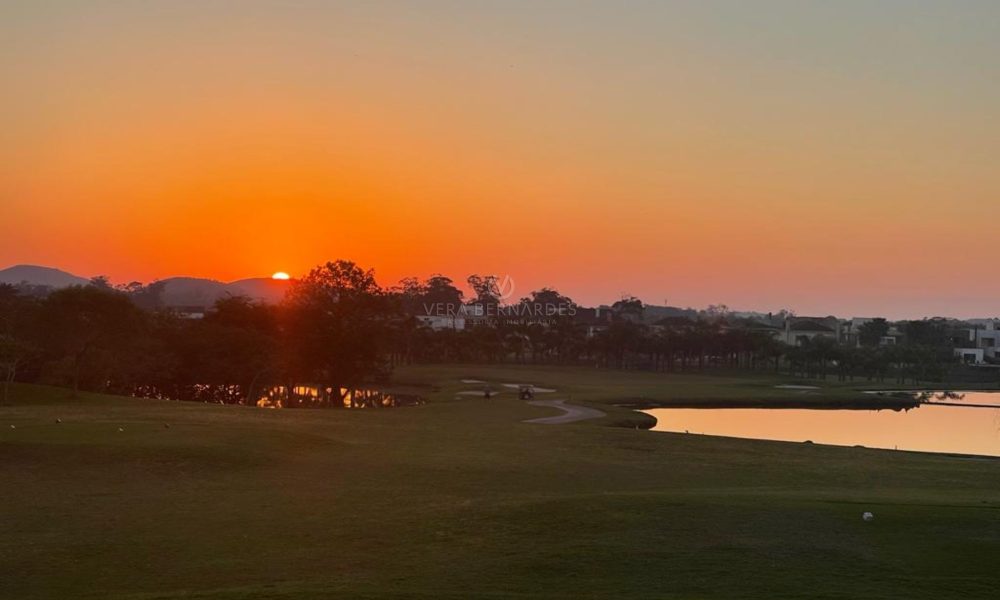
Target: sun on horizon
281 275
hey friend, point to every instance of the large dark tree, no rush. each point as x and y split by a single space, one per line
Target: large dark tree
870 334
488 293
16 317
234 349
334 325
629 307
927 332
147 297
87 333
437 295
545 323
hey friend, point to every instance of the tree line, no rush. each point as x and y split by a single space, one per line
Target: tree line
337 329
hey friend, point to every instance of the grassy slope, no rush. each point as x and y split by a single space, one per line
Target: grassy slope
461 500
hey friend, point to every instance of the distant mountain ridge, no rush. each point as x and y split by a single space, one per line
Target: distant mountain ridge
177 291
193 291
36 275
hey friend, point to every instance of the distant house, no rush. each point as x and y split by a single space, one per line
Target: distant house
800 330
190 312
758 326
971 356
593 319
440 322
892 339
850 332
976 341
476 313
962 336
986 337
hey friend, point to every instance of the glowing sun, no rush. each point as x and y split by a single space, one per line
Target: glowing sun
280 275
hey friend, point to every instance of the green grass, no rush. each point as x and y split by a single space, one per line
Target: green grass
460 499
642 388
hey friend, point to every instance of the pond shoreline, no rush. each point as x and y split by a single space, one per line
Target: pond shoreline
859 403
941 453
938 428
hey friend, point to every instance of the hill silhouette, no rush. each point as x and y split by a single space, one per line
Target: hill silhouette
178 291
37 275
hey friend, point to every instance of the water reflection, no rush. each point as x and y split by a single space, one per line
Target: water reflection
930 427
318 397
973 398
213 394
279 396
939 396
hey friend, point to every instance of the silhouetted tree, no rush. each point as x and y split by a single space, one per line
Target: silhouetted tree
870 334
488 295
147 297
88 329
238 346
16 317
334 324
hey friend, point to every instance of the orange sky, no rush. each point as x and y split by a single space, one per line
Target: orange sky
830 159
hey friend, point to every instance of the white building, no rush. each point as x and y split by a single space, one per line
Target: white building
987 339
970 356
190 312
439 322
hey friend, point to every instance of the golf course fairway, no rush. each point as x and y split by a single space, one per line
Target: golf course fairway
121 498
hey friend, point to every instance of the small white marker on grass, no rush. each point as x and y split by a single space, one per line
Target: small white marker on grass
868 516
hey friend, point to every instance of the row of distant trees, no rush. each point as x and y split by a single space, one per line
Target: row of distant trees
337 329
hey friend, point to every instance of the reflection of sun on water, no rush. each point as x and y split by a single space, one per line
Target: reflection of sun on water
311 396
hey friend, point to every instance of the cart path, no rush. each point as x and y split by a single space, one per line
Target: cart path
571 412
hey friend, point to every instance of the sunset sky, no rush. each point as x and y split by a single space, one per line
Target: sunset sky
829 157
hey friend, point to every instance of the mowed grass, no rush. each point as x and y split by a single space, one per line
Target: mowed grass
460 499
611 386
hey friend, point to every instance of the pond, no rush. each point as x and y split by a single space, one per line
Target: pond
928 428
